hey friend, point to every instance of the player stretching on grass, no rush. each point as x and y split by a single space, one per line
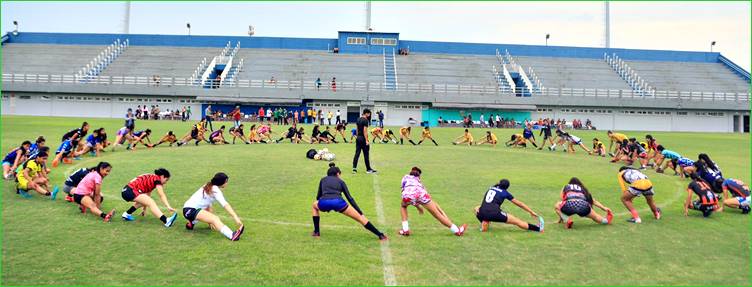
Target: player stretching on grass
88 193
199 208
65 152
218 136
14 159
707 202
739 196
329 197
598 148
527 133
490 210
405 134
545 131
617 138
426 134
490 138
167 138
634 183
576 199
138 191
466 137
414 193
32 177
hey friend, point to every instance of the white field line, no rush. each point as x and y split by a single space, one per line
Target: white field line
386 254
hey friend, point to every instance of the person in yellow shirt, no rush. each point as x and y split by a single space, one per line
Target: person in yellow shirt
426 135
516 140
389 136
599 148
615 137
634 183
32 177
466 137
377 133
405 134
489 139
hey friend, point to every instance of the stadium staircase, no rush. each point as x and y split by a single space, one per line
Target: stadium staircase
220 66
390 71
97 65
639 85
513 76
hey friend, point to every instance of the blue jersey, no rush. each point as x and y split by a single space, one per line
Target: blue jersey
353 131
494 198
92 140
11 156
33 151
527 133
736 187
65 147
685 162
670 154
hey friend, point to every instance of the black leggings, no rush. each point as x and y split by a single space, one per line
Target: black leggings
361 145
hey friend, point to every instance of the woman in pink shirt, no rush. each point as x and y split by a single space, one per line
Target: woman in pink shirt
415 194
88 193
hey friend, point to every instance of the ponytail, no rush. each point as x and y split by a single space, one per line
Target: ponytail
219 179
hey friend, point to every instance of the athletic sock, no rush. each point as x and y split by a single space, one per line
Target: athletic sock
102 215
402 141
535 145
163 218
373 229
412 142
405 226
604 221
420 142
316 223
454 228
533 227
131 210
434 142
226 231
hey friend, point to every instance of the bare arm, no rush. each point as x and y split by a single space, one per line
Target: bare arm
163 198
233 214
601 206
524 207
16 162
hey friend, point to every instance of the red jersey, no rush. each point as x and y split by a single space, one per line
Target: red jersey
145 183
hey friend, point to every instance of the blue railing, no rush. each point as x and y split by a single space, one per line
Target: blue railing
734 67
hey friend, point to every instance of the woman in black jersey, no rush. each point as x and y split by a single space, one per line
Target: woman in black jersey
340 129
707 202
327 137
329 197
576 199
315 133
490 210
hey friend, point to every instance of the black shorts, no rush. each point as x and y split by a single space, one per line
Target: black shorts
128 194
190 213
496 216
579 207
706 210
194 134
78 197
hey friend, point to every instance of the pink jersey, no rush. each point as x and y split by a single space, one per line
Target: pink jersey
263 129
413 191
88 184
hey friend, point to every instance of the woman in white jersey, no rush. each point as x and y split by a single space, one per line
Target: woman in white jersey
199 208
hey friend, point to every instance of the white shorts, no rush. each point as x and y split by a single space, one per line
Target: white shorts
743 201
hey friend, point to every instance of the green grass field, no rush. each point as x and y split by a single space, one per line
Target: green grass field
272 187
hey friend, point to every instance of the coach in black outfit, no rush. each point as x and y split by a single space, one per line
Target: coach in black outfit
361 142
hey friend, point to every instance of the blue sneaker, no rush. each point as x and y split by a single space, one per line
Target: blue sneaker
128 217
92 153
540 223
24 194
54 192
77 158
171 220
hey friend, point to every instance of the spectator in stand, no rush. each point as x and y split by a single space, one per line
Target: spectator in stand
338 121
318 83
272 80
329 116
208 117
381 119
334 84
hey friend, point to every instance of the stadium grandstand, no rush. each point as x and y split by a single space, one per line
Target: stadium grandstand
101 75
